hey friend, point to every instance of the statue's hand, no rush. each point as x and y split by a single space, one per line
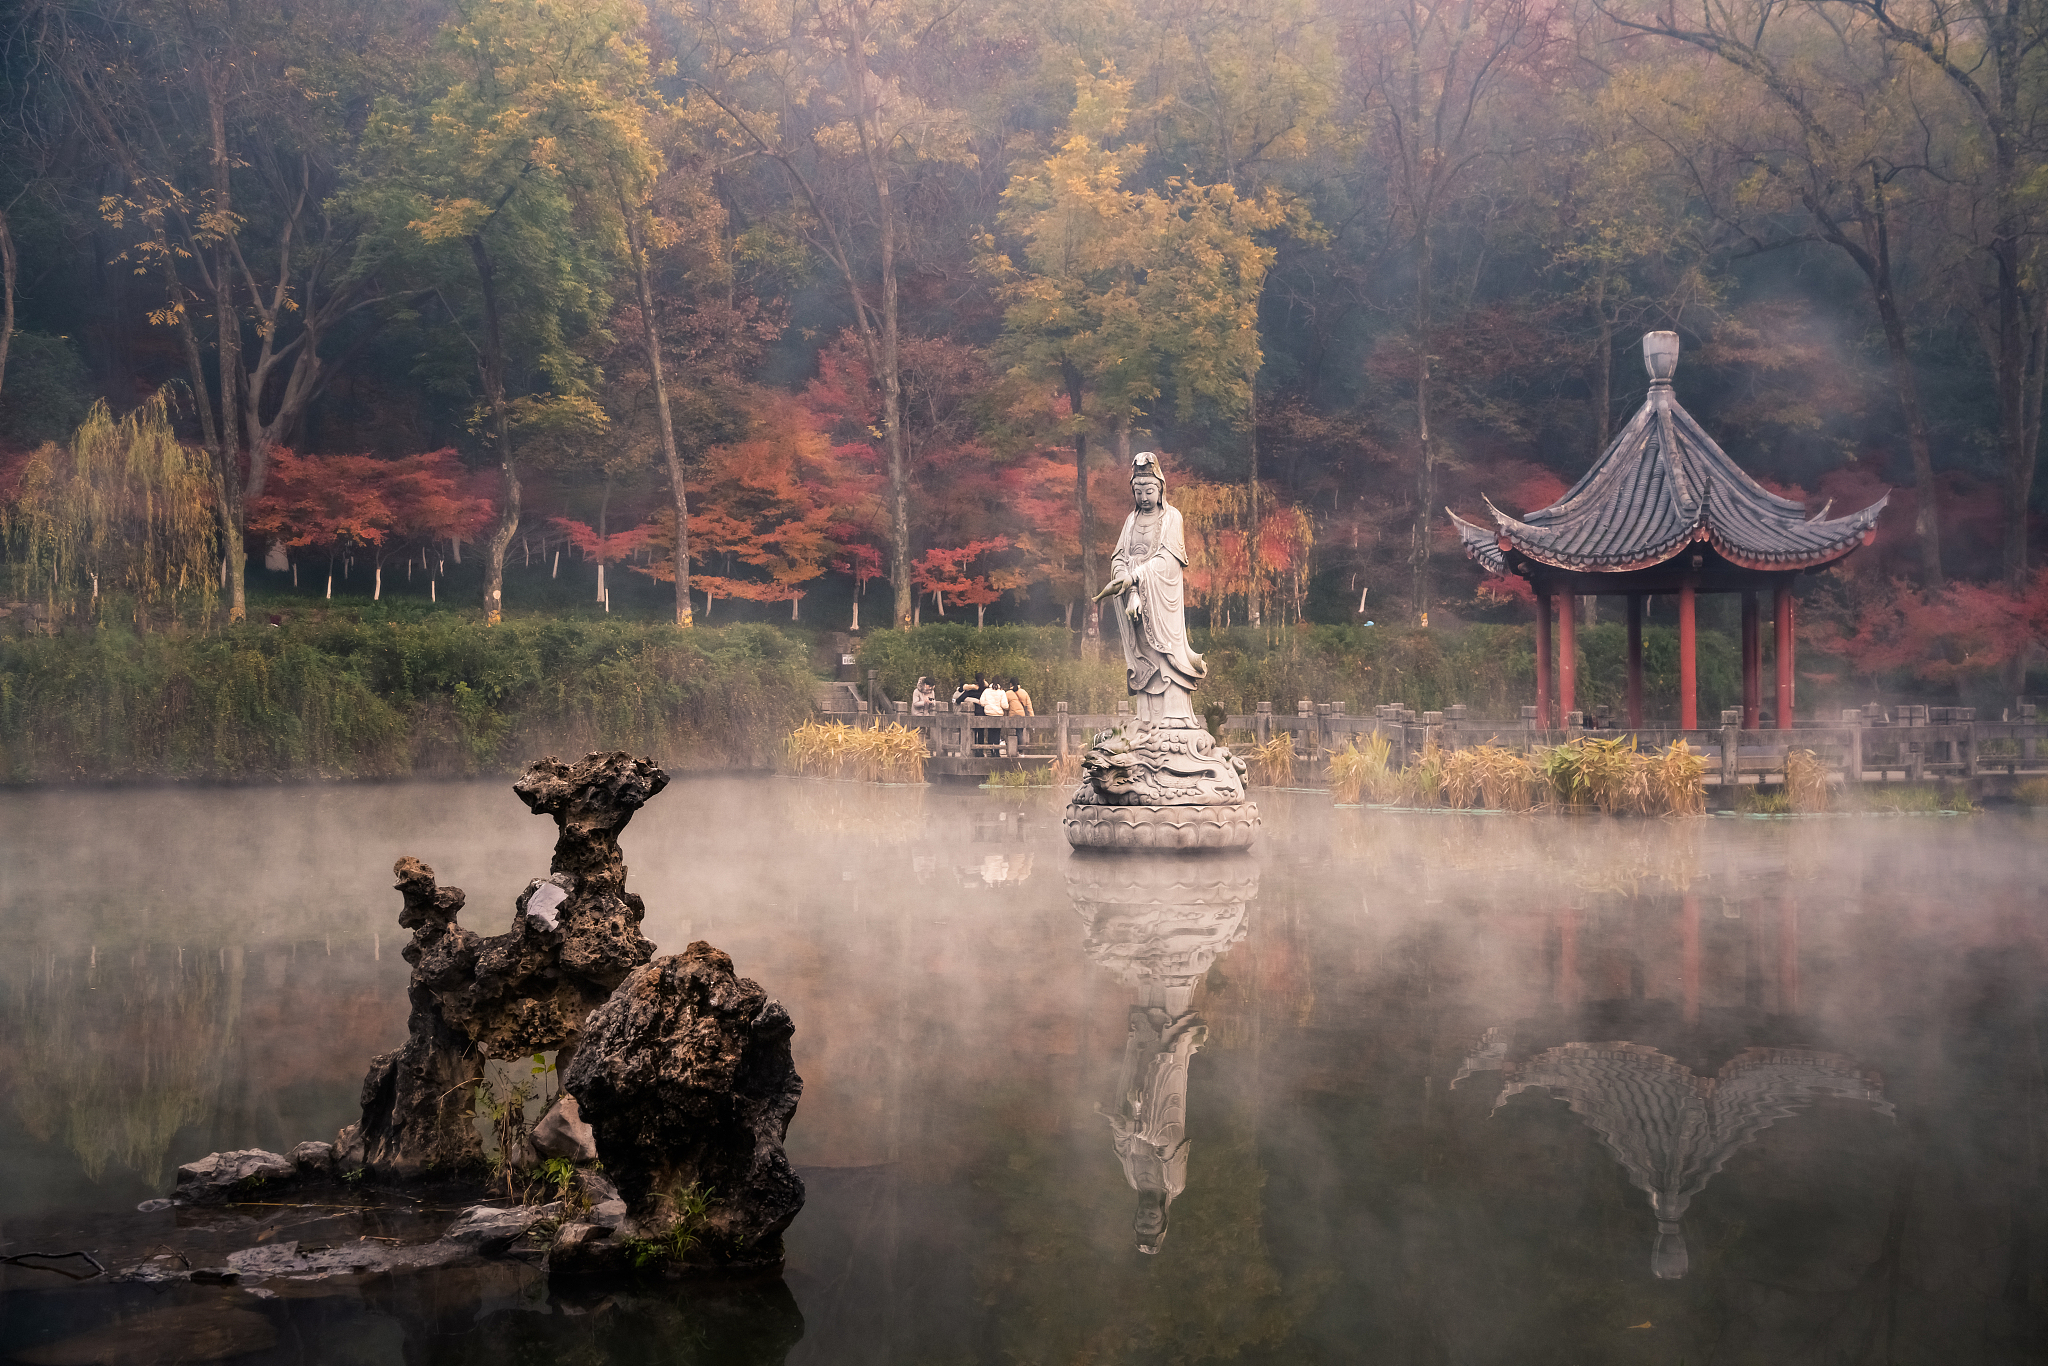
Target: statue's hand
1136 610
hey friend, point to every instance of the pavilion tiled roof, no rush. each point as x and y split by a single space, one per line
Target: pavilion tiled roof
1661 485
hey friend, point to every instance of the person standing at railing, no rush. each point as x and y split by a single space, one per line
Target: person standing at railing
994 702
924 699
1020 705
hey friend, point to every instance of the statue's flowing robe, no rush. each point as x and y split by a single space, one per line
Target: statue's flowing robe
1151 553
1149 1125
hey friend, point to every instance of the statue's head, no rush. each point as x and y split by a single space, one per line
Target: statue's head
1150 1224
1148 480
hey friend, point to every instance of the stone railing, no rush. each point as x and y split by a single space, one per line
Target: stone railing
1910 743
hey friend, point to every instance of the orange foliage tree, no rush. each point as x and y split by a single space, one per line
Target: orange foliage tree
1234 560
941 572
770 512
362 503
963 490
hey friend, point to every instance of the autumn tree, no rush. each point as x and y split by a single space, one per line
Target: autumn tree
501 194
1121 297
945 571
387 509
1241 550
223 128
1992 58
1806 132
829 94
770 510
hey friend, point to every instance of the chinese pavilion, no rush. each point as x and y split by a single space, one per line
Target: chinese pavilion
1664 510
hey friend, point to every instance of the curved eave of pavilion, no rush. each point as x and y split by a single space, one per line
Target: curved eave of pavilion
1802 545
1480 544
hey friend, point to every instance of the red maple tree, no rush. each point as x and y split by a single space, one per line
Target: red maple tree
384 509
942 572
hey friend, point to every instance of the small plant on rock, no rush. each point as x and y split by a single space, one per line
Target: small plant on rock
692 1205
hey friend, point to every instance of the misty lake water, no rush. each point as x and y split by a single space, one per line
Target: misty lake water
1392 1088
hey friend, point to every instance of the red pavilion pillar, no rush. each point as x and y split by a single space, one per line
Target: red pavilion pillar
1568 957
1784 625
1688 659
1752 664
1635 660
1543 659
1788 956
1689 960
1567 655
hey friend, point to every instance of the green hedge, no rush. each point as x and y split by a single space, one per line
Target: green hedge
1491 669
345 697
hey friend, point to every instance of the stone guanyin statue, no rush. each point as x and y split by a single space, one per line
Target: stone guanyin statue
1160 780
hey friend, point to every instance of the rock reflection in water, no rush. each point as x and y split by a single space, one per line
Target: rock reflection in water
1159 924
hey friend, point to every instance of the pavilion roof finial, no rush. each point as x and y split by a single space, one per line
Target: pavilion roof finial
1661 486
1660 357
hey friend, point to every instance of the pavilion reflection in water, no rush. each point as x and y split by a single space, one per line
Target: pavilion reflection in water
1159 924
1673 1127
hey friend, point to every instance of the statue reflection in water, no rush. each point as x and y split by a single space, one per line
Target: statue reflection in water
1159 924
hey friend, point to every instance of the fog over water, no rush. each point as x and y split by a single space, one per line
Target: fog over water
1407 1088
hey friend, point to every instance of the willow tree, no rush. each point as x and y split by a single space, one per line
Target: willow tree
125 509
501 197
1120 296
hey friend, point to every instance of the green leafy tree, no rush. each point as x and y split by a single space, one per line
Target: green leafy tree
501 195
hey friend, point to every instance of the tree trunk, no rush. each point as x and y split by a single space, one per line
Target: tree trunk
1425 484
884 349
1878 266
492 367
228 341
8 271
679 497
1091 617
1253 530
1603 372
604 509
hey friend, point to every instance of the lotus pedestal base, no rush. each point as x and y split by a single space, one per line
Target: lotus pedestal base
1231 826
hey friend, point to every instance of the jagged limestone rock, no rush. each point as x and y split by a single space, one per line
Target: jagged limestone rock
575 935
681 1070
685 1077
415 1100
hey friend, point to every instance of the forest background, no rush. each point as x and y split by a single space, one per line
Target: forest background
741 313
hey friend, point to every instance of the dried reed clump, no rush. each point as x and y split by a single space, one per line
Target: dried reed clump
1616 777
1425 777
1358 772
832 749
1806 780
1681 780
1508 781
1273 761
1462 786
